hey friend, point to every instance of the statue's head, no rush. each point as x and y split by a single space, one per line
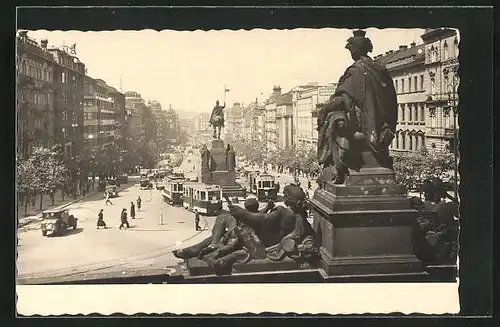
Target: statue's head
294 196
359 45
217 102
434 189
252 205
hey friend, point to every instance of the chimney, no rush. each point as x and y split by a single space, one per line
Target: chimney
412 44
387 52
391 51
403 47
44 43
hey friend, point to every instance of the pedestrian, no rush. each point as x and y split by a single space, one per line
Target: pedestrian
124 220
309 186
132 210
197 221
100 220
107 199
277 186
139 202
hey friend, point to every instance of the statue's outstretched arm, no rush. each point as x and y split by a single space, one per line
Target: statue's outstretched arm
246 216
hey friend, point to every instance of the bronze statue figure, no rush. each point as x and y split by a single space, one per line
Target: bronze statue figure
223 248
230 158
205 158
217 119
360 116
285 231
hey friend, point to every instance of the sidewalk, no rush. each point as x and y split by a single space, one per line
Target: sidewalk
34 214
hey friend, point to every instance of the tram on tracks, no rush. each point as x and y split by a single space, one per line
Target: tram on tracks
263 186
173 189
203 198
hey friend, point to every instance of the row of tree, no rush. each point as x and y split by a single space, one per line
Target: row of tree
299 160
411 167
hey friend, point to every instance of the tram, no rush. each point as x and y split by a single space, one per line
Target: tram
203 198
263 186
173 189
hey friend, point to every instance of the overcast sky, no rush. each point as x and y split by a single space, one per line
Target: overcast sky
189 69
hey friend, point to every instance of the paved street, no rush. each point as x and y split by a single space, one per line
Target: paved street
87 249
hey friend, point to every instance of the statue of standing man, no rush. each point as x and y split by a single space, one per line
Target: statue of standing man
217 119
205 159
360 116
230 158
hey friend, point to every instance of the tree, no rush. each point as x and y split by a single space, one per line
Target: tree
42 173
413 168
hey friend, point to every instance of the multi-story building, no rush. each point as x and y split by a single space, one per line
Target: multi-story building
120 117
202 122
426 82
306 99
284 121
99 116
441 80
234 121
50 96
36 87
135 125
172 125
406 67
270 119
159 116
69 75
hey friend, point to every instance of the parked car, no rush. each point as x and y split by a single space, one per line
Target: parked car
112 190
146 184
57 221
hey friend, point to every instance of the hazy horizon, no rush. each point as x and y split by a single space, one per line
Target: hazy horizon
189 69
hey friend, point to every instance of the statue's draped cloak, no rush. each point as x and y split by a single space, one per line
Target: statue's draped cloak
368 86
217 112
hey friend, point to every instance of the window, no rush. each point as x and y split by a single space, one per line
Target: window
422 113
409 84
203 195
445 50
456 47
63 77
415 82
421 82
64 115
74 81
410 145
433 85
402 112
402 86
403 139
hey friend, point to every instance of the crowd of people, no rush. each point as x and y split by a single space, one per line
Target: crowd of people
123 215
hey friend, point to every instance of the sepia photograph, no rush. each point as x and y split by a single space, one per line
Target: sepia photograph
259 156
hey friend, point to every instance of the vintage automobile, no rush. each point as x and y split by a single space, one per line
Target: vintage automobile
112 190
57 221
145 183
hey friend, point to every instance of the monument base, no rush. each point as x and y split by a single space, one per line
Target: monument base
198 267
220 175
365 227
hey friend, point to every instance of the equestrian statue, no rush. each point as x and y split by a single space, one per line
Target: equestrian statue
217 119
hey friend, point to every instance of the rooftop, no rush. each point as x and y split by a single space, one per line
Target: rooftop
404 52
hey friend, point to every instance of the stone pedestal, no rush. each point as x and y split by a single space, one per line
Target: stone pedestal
219 174
365 226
